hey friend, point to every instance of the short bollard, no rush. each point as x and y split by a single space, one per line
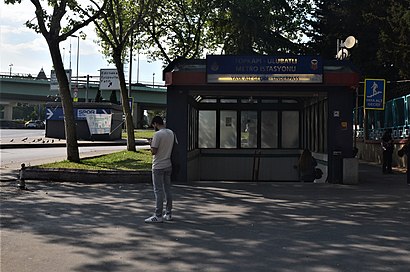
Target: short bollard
22 179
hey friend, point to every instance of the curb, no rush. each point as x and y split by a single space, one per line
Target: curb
85 176
25 145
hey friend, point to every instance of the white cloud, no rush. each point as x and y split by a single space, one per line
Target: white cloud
28 51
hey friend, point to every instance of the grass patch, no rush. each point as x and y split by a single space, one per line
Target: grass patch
122 160
140 134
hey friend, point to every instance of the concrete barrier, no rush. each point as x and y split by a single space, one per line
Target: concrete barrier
86 176
350 171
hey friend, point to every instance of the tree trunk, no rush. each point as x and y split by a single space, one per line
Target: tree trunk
125 103
67 103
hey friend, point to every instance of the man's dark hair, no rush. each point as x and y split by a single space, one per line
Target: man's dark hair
158 120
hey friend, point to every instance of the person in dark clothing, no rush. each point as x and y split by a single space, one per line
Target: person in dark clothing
387 146
405 150
307 164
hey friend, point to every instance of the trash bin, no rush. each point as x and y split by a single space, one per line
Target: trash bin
337 167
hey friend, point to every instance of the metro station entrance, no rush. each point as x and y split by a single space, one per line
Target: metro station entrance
256 131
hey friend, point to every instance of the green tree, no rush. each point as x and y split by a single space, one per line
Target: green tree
98 96
381 27
260 26
115 29
176 28
113 97
192 28
394 37
49 24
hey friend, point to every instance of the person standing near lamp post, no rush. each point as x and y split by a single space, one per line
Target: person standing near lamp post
405 150
387 147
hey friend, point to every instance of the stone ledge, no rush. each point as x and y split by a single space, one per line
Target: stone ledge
85 176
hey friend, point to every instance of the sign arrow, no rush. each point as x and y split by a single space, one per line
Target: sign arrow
49 113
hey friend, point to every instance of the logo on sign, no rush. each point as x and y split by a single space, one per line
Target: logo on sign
374 94
82 113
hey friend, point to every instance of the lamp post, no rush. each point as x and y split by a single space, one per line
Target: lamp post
78 59
153 79
11 65
342 47
78 53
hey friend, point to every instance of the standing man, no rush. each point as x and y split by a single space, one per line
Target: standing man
405 150
161 149
388 147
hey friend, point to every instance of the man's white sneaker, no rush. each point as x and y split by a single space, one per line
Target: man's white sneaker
167 217
153 219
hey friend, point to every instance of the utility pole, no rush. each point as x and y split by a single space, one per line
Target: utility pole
130 71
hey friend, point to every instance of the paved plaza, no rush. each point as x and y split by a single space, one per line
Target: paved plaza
218 226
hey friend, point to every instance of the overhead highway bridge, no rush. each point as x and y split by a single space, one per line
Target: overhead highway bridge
18 91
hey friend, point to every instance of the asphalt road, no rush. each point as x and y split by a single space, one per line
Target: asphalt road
8 134
12 158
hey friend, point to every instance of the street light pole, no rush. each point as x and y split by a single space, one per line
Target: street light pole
11 65
78 59
78 53
153 79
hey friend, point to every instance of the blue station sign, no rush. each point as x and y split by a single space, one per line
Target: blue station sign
264 69
374 93
79 114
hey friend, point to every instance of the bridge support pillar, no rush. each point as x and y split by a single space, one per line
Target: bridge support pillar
8 112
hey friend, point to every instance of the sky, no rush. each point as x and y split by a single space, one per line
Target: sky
26 52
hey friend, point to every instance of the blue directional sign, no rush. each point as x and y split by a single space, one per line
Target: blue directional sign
56 113
374 92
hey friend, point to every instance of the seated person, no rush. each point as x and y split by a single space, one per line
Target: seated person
307 166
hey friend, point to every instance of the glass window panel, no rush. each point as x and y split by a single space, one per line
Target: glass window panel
290 129
1 111
408 109
228 134
208 100
270 101
370 120
207 129
249 129
360 119
389 114
249 100
229 101
289 101
269 129
379 119
399 111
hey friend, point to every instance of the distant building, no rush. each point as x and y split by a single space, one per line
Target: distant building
41 75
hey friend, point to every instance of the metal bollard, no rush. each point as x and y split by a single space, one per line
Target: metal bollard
22 179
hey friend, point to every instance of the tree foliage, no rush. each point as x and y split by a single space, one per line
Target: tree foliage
57 20
115 28
381 27
394 37
192 28
260 26
113 97
176 28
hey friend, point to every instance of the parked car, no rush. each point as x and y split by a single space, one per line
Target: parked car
35 124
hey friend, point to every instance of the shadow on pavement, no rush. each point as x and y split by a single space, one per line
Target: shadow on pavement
223 226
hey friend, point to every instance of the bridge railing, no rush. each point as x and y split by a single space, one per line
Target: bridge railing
93 81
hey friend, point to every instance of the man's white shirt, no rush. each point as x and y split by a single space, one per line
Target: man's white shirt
163 140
